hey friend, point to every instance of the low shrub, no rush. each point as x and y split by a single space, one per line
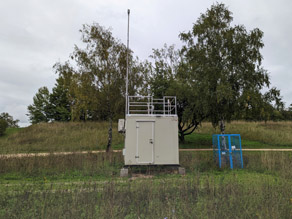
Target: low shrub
3 126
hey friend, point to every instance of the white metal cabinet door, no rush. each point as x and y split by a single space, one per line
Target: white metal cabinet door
145 142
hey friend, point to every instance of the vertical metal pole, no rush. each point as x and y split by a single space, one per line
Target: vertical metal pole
152 105
175 105
219 150
240 151
163 105
126 107
128 99
230 152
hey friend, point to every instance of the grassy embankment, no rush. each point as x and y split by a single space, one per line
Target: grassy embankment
253 134
56 137
92 136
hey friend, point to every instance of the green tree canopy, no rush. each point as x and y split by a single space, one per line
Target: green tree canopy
9 120
225 63
39 111
168 78
60 106
94 83
217 75
53 106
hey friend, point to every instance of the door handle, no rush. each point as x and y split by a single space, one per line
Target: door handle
151 141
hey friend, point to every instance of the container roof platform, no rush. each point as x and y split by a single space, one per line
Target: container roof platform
150 106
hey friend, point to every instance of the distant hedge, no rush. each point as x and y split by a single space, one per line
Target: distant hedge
3 126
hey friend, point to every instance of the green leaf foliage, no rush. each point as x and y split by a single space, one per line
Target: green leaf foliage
224 64
39 110
9 119
3 126
92 85
95 86
168 78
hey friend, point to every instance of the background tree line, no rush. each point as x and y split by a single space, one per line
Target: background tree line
7 121
217 76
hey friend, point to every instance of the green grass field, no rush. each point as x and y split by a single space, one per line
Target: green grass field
91 136
89 186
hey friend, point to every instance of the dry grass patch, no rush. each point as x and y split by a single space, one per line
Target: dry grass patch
52 137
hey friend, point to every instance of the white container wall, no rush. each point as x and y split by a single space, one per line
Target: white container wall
151 140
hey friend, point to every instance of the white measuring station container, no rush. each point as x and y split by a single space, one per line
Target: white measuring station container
151 131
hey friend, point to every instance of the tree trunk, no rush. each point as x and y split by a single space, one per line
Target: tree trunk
222 126
110 135
182 138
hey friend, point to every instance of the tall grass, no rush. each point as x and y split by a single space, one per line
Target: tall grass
262 190
61 166
108 165
199 197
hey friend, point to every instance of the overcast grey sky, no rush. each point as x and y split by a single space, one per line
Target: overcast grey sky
35 34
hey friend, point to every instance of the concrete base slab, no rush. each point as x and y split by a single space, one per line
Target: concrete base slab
181 171
124 172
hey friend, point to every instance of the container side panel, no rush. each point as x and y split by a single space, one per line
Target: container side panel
130 141
166 141
164 136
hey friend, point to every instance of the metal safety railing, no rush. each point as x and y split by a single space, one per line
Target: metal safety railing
147 105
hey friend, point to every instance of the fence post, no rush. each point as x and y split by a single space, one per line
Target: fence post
219 150
230 152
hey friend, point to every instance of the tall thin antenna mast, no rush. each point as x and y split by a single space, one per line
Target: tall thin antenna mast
127 79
